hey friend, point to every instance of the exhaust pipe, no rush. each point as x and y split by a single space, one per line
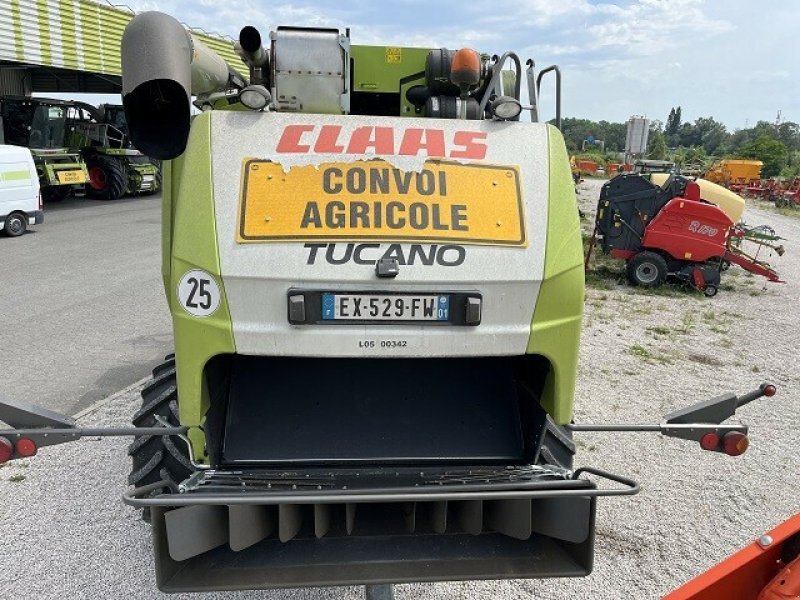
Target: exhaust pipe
252 52
163 66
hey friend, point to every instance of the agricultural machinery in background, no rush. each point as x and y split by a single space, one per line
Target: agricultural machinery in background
734 174
115 168
78 147
41 125
672 226
784 193
744 177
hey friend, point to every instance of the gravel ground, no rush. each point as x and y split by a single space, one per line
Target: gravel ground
67 534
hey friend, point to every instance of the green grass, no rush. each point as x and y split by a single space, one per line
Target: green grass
641 309
648 355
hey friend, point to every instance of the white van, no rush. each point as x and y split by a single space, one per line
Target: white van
20 202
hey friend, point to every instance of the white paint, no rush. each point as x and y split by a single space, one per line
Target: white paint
198 293
76 5
31 42
56 42
258 276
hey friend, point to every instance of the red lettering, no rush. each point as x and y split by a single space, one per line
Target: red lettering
290 140
326 142
413 142
382 141
472 148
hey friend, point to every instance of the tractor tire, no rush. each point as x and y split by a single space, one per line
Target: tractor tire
108 178
16 224
158 458
647 269
56 193
557 447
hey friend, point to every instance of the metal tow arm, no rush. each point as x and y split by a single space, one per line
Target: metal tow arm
45 427
701 422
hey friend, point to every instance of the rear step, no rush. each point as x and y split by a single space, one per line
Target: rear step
263 529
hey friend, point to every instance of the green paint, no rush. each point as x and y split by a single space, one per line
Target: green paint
556 325
189 206
15 176
99 27
16 21
44 32
68 40
90 37
381 68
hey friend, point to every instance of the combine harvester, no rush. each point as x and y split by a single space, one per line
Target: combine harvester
41 125
115 168
672 226
375 276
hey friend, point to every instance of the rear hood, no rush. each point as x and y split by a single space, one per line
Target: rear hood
311 202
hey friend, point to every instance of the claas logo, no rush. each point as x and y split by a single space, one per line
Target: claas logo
434 143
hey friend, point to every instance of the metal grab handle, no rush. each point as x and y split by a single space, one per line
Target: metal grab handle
139 497
558 89
632 488
533 94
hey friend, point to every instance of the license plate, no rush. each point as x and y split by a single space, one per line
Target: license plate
71 177
373 200
379 307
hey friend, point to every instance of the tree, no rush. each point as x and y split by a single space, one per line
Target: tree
789 133
773 153
673 127
673 121
710 133
688 135
656 145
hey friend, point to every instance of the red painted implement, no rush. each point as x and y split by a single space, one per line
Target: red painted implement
670 231
767 569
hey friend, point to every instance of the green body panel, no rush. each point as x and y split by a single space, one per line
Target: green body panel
388 69
556 325
48 166
194 246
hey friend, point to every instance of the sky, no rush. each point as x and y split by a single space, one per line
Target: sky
735 60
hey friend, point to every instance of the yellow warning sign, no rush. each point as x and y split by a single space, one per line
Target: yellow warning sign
71 176
394 56
372 200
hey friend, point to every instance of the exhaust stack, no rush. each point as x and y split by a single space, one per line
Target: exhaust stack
163 66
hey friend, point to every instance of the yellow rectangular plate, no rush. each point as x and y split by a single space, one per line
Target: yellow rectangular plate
71 176
372 200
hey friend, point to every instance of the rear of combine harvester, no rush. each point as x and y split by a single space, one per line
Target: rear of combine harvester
376 315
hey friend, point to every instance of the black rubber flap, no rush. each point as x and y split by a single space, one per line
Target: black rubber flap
342 410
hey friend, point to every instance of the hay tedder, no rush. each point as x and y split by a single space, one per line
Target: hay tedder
375 274
672 226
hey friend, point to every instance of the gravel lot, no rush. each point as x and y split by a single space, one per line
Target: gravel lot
67 535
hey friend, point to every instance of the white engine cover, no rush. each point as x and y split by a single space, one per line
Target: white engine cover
257 276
